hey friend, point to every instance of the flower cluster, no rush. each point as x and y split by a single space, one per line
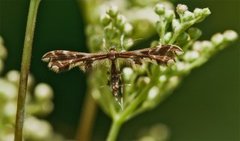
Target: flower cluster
113 32
147 85
38 104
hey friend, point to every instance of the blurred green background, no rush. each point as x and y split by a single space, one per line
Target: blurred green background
206 107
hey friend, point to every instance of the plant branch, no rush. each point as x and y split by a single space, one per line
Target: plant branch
25 65
116 125
87 118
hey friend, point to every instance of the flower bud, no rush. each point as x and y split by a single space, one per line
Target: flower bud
206 11
167 37
13 76
207 45
113 11
201 14
180 66
162 78
105 19
8 90
230 35
153 92
37 129
160 9
121 20
127 73
176 25
197 12
181 8
183 38
10 110
191 56
187 16
194 33
217 39
173 82
128 28
43 92
169 14
142 81
127 43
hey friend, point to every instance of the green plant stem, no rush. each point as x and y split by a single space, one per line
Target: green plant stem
120 118
87 119
115 127
25 65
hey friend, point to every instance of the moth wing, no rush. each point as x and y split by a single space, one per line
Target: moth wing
162 54
63 60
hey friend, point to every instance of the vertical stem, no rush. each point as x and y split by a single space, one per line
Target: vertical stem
87 119
114 130
26 59
88 114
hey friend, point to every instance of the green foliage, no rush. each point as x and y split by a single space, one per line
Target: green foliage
147 85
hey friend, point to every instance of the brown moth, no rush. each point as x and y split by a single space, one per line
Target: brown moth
63 60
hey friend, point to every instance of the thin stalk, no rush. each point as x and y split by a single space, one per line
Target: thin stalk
88 114
116 125
25 65
87 119
120 118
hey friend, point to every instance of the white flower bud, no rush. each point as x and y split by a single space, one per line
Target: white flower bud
10 110
217 39
173 81
180 66
162 78
128 43
128 28
8 90
187 16
127 72
43 92
176 25
113 11
181 8
167 37
230 35
207 44
197 46
153 92
13 76
197 12
206 11
191 55
169 14
121 21
37 129
160 9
